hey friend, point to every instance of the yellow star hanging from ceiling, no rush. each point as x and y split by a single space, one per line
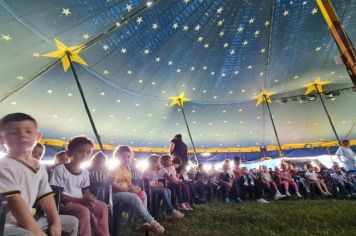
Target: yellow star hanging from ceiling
179 100
316 85
62 49
263 96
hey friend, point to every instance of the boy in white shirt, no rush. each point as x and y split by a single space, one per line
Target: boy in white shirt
23 181
312 177
345 154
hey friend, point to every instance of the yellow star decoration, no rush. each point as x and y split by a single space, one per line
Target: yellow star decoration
263 96
62 49
7 37
316 85
179 100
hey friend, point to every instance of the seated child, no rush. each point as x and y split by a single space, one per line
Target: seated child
38 151
24 181
287 180
128 194
202 184
60 158
169 173
312 177
269 184
239 174
343 182
157 188
228 185
97 169
76 197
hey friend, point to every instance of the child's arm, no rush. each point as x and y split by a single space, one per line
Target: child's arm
48 206
23 216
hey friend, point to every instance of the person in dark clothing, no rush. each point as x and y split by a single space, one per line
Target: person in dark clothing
202 183
179 149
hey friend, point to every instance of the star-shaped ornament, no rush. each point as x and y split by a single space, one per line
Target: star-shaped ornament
179 100
264 96
63 50
316 85
66 11
6 37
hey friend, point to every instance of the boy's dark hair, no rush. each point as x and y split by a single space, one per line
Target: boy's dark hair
200 165
178 136
345 142
165 157
177 161
121 149
15 117
58 154
237 159
308 165
74 142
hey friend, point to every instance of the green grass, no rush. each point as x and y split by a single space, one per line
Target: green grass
305 217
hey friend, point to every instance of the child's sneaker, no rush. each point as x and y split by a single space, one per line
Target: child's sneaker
182 207
156 228
239 200
262 201
226 200
279 196
288 194
298 195
176 215
188 206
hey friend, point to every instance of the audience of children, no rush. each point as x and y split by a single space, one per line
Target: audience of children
76 198
129 195
157 188
85 215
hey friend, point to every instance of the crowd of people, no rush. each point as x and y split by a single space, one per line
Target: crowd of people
26 183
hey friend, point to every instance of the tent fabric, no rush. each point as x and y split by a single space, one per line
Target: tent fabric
215 52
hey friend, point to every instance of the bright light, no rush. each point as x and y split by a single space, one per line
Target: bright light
149 3
142 165
218 166
207 167
2 154
47 162
112 163
206 154
190 166
85 165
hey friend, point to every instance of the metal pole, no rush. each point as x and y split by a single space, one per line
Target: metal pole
190 135
85 103
327 114
274 128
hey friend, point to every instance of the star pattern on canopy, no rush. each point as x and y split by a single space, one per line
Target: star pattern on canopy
179 100
264 96
62 51
316 85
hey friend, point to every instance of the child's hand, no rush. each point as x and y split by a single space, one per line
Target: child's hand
55 230
88 201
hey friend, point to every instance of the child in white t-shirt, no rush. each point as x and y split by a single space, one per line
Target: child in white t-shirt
23 181
312 177
76 197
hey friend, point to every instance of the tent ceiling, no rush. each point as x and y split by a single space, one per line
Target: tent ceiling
214 51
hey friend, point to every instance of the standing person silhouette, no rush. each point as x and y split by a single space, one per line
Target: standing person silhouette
178 148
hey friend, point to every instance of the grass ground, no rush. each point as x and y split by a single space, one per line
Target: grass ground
304 217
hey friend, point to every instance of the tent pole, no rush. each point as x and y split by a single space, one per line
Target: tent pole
327 114
347 50
98 138
274 128
190 135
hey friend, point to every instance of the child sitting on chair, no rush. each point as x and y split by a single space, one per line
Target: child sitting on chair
128 194
38 151
157 188
343 182
227 184
287 180
24 181
312 177
98 168
169 173
76 197
269 184
202 184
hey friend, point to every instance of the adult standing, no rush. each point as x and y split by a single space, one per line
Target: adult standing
179 149
346 155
